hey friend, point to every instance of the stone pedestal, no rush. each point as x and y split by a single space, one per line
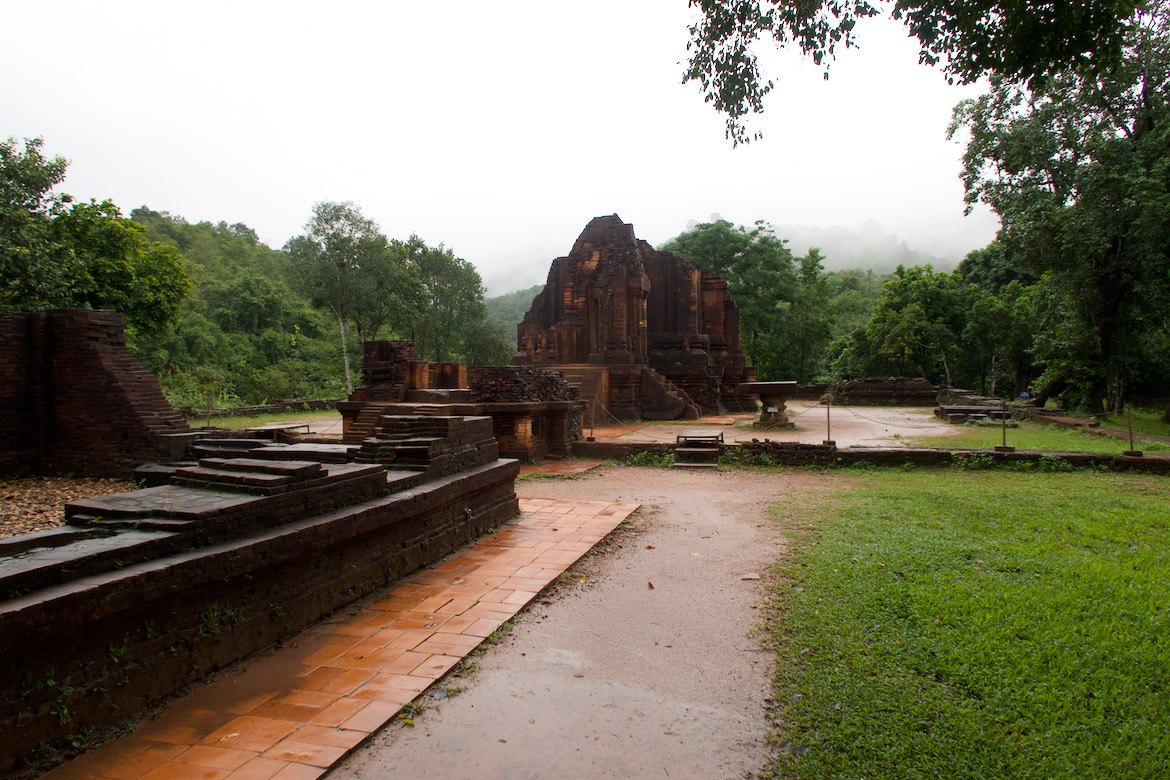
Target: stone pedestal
773 397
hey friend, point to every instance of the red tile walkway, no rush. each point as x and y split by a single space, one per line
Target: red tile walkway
559 468
294 712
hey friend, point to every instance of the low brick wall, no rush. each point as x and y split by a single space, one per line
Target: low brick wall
872 391
607 450
89 653
793 454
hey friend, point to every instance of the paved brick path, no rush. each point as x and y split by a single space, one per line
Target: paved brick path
292 713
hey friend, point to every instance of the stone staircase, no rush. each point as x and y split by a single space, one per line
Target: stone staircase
434 445
698 449
366 423
672 402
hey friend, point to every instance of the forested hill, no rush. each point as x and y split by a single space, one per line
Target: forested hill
244 334
509 309
260 324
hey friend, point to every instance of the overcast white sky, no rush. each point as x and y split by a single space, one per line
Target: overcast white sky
498 129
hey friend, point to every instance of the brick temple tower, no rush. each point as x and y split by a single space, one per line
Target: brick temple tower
643 333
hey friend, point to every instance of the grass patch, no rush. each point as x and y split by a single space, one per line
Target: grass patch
661 460
1147 421
965 625
1030 436
264 419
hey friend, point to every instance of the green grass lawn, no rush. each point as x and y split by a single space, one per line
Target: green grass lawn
949 624
1030 436
1148 421
264 419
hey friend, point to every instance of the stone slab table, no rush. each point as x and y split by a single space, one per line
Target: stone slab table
773 396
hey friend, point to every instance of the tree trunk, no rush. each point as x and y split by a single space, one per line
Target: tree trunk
1055 388
344 354
1112 290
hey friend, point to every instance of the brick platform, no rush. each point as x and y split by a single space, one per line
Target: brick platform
293 713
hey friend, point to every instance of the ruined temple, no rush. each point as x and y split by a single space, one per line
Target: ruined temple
643 333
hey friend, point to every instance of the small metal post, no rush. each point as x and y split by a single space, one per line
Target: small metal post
828 425
1004 447
1131 452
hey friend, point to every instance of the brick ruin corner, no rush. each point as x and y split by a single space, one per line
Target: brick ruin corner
75 400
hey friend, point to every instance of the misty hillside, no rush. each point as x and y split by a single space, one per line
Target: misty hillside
867 248
509 309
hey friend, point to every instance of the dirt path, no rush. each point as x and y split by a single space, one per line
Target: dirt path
885 426
613 678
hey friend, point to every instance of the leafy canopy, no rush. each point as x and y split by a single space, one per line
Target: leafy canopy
1015 39
1079 173
56 253
783 301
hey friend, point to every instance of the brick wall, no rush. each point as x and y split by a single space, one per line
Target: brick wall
509 384
77 399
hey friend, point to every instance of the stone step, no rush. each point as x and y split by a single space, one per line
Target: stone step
288 468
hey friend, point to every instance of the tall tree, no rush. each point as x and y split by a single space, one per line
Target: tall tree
34 268
1026 41
811 316
450 307
85 254
115 267
764 281
1079 173
334 259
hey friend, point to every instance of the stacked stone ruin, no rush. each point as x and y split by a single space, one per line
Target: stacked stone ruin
641 333
533 413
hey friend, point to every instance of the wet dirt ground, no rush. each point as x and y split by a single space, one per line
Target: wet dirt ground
871 426
646 662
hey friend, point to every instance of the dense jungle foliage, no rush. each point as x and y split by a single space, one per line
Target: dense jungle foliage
263 324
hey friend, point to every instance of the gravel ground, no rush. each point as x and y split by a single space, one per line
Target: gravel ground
33 504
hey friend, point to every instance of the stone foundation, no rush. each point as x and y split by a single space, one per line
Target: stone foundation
147 591
873 391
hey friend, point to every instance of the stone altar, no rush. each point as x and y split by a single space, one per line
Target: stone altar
773 397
